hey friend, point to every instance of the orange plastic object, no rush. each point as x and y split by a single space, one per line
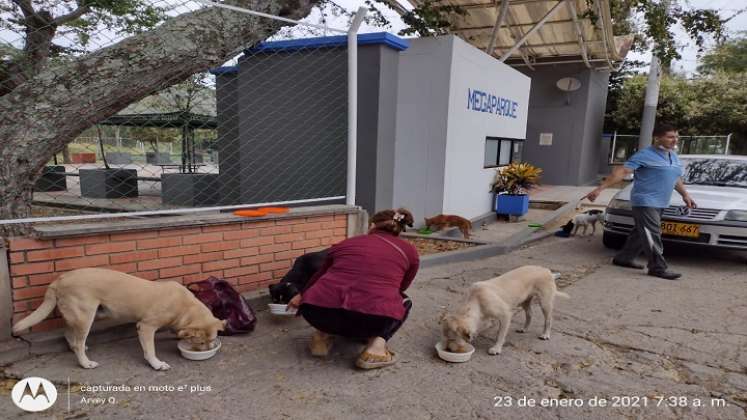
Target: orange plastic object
250 213
277 210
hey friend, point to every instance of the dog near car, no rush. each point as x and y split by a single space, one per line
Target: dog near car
95 293
493 301
586 219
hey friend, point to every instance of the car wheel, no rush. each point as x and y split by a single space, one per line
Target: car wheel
613 240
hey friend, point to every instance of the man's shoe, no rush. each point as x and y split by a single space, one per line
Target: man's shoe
668 275
626 264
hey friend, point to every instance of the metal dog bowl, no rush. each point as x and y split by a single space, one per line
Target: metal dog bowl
188 353
281 309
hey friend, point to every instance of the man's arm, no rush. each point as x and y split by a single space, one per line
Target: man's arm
680 188
617 175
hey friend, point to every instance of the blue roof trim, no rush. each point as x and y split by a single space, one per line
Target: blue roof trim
383 38
224 70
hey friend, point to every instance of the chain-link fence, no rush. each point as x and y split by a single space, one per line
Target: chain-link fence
269 125
623 146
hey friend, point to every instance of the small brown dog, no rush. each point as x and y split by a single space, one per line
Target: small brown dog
448 220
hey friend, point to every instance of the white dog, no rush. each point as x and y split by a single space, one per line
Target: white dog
494 300
93 293
588 218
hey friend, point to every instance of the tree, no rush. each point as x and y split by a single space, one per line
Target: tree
658 19
712 105
675 99
731 57
41 21
54 103
651 24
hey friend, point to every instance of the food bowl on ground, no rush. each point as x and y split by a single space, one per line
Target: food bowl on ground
185 348
454 357
281 309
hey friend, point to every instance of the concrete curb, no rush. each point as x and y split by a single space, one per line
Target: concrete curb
515 241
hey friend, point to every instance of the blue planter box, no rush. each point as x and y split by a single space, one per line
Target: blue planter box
512 205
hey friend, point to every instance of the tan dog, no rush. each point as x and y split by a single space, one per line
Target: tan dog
494 300
88 293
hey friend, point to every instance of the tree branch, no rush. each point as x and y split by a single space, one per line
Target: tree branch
75 14
47 111
27 8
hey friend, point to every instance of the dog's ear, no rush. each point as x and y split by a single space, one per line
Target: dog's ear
222 324
467 335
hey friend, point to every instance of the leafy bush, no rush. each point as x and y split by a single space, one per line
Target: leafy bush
516 178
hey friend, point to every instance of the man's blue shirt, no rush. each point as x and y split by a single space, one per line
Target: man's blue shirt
656 173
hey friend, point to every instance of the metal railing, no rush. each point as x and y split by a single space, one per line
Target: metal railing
275 125
623 146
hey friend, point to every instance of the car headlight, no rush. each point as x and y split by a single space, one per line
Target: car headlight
736 215
620 204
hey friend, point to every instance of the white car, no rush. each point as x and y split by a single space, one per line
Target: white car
717 183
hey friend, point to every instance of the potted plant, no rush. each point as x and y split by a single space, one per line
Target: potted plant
52 178
108 182
511 187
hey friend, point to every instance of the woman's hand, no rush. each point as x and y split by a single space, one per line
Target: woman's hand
295 302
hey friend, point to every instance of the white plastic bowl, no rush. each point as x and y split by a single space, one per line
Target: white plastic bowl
281 309
454 357
188 353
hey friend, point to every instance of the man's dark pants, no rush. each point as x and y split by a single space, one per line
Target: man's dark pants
646 238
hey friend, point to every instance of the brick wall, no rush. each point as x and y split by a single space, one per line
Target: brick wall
250 255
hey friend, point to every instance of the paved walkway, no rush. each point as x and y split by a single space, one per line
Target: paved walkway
501 230
620 334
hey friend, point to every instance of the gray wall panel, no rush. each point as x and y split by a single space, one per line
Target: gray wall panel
422 106
576 126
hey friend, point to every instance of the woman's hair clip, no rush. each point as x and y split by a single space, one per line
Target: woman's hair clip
398 217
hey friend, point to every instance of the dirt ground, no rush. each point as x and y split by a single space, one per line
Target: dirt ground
426 246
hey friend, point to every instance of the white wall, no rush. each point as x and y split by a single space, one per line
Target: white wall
422 106
466 182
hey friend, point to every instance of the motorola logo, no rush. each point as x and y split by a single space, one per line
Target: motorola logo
34 394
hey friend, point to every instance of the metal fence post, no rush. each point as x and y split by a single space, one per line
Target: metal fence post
353 104
6 298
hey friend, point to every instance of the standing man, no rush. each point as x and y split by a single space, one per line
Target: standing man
657 172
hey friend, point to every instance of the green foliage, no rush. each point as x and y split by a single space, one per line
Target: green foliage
712 105
731 57
429 19
119 16
516 178
658 21
675 96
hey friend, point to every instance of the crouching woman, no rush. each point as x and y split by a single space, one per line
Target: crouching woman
359 291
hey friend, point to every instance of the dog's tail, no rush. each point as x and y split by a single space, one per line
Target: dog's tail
555 277
43 311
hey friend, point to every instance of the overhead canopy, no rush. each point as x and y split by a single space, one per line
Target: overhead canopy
164 120
538 32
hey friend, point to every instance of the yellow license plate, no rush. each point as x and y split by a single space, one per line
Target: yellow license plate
680 229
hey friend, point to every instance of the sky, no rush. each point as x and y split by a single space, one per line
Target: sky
688 49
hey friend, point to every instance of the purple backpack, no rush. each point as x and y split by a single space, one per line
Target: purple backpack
225 303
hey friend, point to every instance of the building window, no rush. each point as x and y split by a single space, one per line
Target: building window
501 152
